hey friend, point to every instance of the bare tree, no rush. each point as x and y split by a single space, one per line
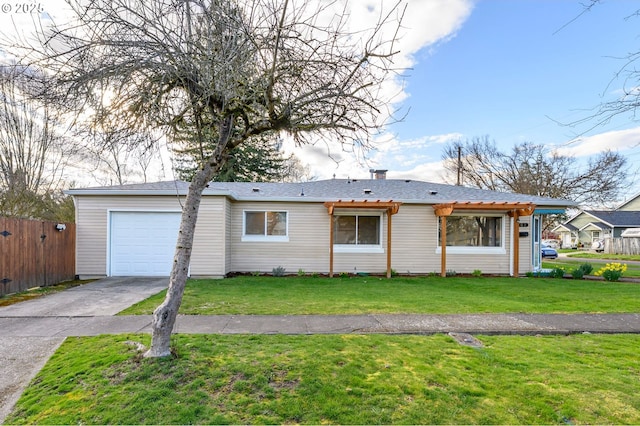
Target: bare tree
227 70
119 155
32 147
628 100
532 169
296 171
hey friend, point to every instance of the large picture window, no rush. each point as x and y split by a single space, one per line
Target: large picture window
474 231
267 225
356 231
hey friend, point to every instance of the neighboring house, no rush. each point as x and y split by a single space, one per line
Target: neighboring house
589 226
329 226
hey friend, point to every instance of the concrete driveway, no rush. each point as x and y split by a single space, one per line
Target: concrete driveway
23 357
107 296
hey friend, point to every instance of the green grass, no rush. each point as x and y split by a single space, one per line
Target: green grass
589 255
36 292
348 379
359 295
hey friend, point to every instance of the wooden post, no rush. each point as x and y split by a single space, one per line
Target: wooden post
388 243
331 244
443 246
516 243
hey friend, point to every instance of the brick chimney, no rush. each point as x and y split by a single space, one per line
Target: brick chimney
380 174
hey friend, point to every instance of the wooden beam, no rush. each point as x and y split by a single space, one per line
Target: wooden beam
441 210
516 246
443 246
365 204
389 242
483 205
331 244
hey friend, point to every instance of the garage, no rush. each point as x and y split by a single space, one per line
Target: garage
142 243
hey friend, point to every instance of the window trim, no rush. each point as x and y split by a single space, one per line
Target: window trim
264 238
360 248
475 250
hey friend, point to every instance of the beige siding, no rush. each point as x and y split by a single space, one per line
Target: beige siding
307 248
631 205
414 245
526 245
92 231
219 249
414 240
209 248
227 236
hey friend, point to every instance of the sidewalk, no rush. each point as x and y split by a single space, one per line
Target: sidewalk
525 324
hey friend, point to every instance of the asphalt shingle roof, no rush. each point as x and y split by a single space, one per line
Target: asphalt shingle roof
407 191
626 219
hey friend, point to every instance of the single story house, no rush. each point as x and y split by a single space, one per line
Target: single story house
590 226
327 226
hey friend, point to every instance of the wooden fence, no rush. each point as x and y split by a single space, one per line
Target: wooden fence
621 245
35 253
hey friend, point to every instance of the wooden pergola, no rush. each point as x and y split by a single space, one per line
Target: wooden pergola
390 206
514 210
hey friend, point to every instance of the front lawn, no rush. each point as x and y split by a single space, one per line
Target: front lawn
359 295
333 379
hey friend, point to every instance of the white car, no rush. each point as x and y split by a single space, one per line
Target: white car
598 245
551 243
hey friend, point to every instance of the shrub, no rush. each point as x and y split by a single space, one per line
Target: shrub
557 273
451 273
278 271
477 273
530 274
612 271
582 270
577 273
301 272
586 268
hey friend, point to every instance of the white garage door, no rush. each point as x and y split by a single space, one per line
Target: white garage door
142 243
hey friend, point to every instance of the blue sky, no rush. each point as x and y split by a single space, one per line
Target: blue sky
510 69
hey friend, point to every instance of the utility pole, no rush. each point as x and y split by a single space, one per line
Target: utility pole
459 166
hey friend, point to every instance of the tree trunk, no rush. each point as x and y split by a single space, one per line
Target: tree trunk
164 317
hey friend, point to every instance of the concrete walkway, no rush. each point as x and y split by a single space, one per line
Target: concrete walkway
31 331
526 324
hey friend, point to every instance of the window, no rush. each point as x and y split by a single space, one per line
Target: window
474 233
357 232
265 225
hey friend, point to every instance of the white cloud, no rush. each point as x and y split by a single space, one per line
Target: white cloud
617 140
426 22
412 159
429 172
